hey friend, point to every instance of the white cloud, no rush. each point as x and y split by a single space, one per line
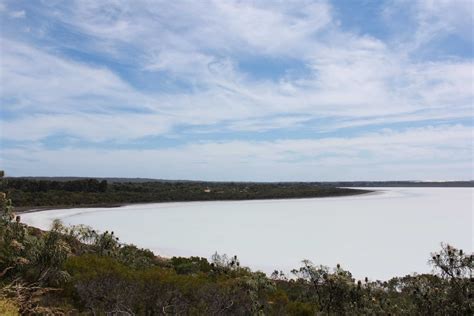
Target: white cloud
448 16
433 20
350 80
423 153
48 83
227 27
92 127
363 80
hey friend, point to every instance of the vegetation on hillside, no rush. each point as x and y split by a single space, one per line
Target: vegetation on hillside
44 193
77 270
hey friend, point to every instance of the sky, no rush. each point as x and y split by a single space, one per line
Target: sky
238 90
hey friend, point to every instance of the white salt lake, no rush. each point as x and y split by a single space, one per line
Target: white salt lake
379 235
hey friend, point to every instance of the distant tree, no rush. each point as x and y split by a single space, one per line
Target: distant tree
103 186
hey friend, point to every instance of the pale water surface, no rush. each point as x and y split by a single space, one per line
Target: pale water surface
390 233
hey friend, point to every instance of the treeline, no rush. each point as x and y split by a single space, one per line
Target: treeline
35 186
416 184
44 193
77 270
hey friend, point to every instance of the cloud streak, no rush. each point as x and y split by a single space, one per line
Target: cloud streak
215 75
436 153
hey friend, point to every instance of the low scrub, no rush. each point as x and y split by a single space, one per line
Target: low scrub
77 270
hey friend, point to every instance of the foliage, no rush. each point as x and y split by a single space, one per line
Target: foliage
455 268
190 265
30 185
41 193
74 270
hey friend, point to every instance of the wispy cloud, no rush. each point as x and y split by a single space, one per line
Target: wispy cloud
112 71
433 152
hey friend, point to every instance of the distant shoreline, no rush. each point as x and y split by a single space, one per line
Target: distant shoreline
340 184
33 209
355 191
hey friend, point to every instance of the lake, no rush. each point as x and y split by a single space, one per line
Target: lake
380 235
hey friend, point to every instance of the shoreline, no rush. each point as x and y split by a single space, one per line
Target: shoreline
34 209
380 205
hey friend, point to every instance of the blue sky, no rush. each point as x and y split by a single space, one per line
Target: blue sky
238 90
